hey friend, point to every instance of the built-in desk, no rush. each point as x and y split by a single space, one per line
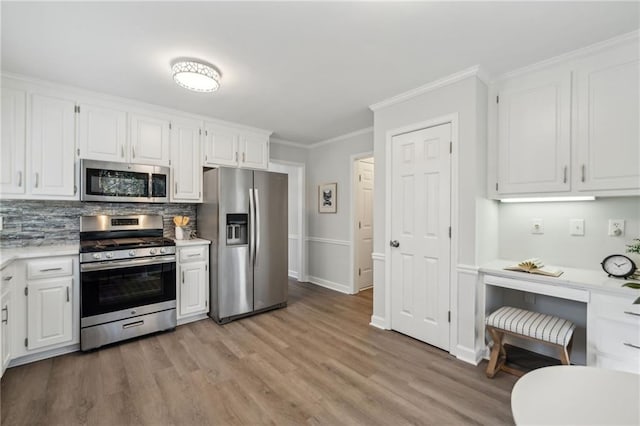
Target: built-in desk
607 322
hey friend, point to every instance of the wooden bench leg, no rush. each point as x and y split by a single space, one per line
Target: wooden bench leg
564 353
497 357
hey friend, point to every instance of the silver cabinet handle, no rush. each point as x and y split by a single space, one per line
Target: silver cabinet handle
564 179
122 151
9 278
582 178
394 243
133 324
5 320
176 191
182 277
36 182
68 294
193 255
20 178
631 313
244 157
133 151
50 269
236 155
631 345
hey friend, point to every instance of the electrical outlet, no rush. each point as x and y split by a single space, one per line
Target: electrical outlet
576 226
537 226
616 227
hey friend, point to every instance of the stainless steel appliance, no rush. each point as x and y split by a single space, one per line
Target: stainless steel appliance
123 182
245 214
127 278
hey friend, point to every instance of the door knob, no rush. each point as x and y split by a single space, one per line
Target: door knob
394 243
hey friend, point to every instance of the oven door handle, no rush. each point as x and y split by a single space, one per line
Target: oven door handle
127 263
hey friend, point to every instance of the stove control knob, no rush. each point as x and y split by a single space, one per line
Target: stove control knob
152 251
132 252
96 256
109 255
163 250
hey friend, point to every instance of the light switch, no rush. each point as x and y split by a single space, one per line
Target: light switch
537 226
576 226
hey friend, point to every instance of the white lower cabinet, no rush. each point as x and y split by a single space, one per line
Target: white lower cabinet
6 323
49 312
193 281
613 333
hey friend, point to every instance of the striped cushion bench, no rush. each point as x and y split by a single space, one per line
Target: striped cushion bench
535 326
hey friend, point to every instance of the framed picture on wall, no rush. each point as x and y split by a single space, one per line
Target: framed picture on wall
328 198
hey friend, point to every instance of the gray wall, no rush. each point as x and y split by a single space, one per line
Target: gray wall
34 223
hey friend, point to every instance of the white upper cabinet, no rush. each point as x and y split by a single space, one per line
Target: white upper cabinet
186 166
608 120
102 133
534 133
12 155
220 146
149 137
254 151
52 147
226 146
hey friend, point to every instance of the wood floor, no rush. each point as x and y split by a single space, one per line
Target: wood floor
315 362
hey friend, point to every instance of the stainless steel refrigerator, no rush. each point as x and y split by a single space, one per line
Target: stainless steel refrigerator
244 214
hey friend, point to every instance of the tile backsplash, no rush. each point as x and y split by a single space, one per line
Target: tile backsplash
41 222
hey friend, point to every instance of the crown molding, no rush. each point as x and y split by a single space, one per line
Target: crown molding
341 137
288 143
574 54
475 70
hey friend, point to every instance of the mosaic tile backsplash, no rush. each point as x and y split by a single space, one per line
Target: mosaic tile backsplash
42 222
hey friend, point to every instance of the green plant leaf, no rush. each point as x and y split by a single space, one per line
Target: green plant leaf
632 284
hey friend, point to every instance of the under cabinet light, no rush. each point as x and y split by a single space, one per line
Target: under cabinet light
545 199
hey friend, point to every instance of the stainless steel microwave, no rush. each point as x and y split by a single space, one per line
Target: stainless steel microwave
122 182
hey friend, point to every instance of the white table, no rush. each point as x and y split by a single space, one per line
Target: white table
576 395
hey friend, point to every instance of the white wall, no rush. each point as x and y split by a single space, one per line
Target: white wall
329 236
286 152
556 246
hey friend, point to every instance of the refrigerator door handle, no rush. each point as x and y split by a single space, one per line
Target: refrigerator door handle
252 231
256 236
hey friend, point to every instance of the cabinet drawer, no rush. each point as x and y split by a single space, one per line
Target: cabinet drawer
617 338
192 254
50 268
614 308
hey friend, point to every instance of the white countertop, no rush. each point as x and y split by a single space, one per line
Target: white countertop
8 255
572 277
191 242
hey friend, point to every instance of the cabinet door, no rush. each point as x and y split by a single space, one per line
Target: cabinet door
254 151
49 312
52 147
221 147
149 138
102 133
12 157
534 146
607 102
5 330
186 162
193 288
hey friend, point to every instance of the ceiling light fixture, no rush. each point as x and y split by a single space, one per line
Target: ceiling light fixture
196 76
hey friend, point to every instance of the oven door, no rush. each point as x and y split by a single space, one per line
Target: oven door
124 288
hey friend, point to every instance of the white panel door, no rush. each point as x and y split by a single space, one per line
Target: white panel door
364 228
193 288
186 161
5 330
534 134
221 147
103 133
420 220
608 127
254 151
49 312
149 138
52 146
12 166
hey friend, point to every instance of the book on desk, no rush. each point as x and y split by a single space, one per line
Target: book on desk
534 266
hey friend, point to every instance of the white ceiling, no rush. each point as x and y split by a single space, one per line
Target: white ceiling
306 70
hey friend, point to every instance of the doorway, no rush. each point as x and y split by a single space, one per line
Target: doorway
362 196
420 231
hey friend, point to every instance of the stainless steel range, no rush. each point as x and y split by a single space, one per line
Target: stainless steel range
127 279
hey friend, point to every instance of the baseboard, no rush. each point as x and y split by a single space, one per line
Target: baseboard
378 322
365 288
469 355
342 288
194 318
26 359
293 274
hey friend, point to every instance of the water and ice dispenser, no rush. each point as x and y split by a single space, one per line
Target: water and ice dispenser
237 229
